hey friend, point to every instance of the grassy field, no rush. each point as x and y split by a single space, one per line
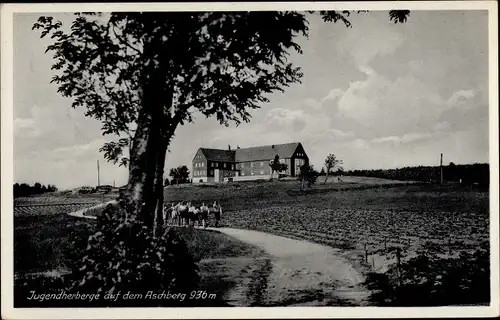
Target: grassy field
41 244
48 204
362 218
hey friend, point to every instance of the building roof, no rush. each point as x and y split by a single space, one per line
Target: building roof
266 152
218 155
285 150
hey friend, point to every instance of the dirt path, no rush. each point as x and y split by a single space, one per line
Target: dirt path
302 273
293 273
81 213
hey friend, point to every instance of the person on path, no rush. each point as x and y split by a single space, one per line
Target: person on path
217 210
193 215
204 214
183 213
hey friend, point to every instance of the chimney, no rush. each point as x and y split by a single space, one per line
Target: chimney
229 147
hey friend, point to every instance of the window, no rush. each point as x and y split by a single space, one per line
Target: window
251 164
243 173
202 164
261 171
225 164
211 172
261 164
252 173
232 167
213 164
242 165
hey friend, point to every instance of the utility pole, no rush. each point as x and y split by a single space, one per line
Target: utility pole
98 176
441 167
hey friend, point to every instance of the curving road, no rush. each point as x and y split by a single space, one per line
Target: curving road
302 273
293 273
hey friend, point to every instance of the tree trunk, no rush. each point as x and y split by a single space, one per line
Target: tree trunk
167 132
140 198
158 221
326 176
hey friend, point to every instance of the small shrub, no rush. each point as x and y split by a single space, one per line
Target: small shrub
308 175
124 257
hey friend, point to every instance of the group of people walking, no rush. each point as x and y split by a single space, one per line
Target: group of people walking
185 214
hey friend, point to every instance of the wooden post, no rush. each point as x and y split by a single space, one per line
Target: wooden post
441 166
98 177
398 263
366 254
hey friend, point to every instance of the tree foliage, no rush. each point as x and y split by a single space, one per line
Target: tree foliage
282 167
469 174
179 174
332 163
25 190
277 166
307 176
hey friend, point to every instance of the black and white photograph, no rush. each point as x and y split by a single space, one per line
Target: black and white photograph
211 157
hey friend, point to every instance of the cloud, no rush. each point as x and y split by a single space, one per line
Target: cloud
79 151
361 100
20 123
333 94
364 43
460 96
284 118
25 128
406 138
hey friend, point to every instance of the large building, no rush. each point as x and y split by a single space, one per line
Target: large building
216 165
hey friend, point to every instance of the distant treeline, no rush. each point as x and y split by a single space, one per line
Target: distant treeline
478 173
25 190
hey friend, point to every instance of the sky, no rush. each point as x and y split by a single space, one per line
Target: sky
378 95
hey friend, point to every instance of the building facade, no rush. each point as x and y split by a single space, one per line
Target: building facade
216 165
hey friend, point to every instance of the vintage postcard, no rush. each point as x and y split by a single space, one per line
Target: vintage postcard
249 160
